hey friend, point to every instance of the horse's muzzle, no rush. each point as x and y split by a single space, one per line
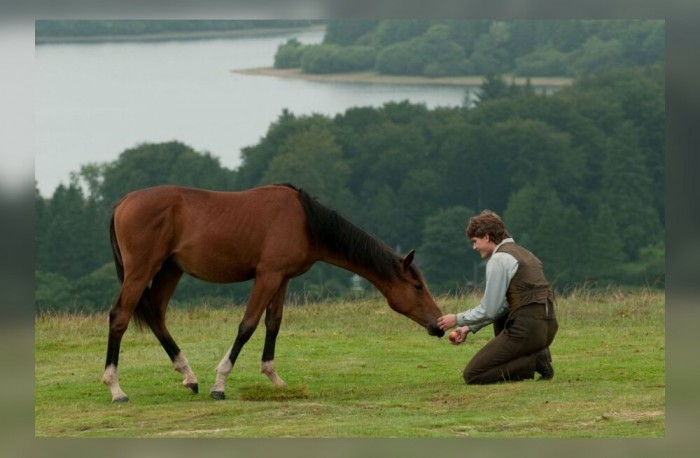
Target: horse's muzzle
434 330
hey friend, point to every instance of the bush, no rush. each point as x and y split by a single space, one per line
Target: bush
359 57
52 291
336 59
545 61
399 59
432 54
288 55
96 291
649 269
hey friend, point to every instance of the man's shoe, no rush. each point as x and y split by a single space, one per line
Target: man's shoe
543 365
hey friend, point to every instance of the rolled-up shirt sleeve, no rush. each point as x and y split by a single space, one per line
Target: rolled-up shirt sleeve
500 269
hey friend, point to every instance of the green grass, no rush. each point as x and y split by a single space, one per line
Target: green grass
358 369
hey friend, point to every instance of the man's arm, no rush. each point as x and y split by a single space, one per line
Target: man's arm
499 271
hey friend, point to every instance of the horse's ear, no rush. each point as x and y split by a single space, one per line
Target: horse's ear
408 259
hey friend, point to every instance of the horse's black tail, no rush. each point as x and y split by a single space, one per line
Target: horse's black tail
116 252
144 313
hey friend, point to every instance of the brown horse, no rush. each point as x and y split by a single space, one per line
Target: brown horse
272 234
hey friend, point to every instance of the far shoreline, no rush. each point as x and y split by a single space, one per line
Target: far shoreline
376 78
174 36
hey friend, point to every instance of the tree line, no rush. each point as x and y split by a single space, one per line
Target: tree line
435 48
578 176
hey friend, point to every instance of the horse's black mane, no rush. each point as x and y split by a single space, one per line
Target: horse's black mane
335 233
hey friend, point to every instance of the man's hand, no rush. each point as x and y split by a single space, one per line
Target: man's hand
448 321
461 335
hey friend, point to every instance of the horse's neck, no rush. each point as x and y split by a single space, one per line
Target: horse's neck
379 282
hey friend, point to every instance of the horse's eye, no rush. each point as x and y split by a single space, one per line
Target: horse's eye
419 286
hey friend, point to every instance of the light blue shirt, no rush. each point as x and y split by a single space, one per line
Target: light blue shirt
500 269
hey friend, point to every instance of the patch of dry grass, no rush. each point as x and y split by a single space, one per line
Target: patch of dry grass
273 393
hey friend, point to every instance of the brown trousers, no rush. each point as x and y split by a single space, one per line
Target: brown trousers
511 354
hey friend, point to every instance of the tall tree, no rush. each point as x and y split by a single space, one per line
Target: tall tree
67 242
41 221
492 52
348 32
544 61
312 159
421 189
627 190
539 221
533 148
446 258
255 159
288 55
603 256
384 217
400 59
595 55
493 87
441 56
396 31
162 163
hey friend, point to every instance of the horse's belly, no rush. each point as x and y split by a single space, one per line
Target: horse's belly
216 270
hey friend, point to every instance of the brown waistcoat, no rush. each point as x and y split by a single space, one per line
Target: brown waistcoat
529 285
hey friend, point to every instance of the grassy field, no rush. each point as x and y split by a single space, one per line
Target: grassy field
358 369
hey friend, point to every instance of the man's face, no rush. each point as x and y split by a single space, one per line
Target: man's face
483 245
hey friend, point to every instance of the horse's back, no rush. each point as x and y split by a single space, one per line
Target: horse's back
214 235
191 204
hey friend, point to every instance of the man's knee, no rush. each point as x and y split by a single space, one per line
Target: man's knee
472 376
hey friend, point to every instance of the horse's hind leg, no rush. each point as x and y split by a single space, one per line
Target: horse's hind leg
162 289
119 316
273 319
264 289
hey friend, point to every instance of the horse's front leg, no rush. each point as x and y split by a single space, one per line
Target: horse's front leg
273 319
264 290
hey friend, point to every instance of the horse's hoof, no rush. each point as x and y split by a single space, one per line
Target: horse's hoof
193 386
218 395
121 399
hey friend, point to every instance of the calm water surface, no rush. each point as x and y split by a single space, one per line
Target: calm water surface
93 101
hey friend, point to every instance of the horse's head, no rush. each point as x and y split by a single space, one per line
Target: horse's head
408 294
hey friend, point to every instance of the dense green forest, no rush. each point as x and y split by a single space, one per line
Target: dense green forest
578 176
436 48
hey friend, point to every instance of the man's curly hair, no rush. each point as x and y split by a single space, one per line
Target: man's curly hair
487 223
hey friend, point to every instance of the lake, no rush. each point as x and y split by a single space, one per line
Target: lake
94 100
